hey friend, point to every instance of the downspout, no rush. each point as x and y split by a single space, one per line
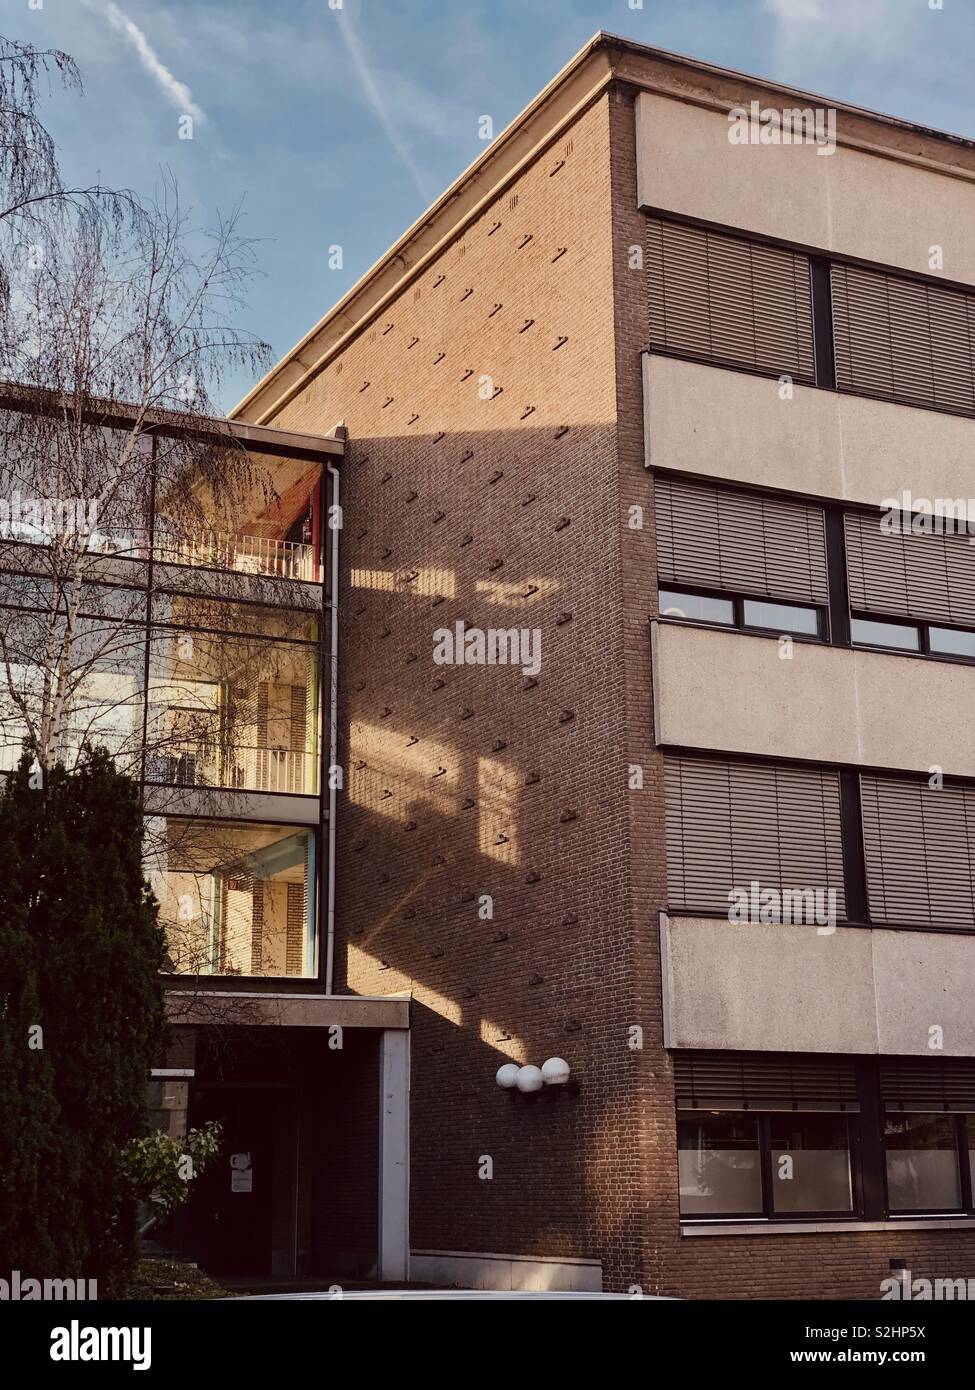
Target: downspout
333 716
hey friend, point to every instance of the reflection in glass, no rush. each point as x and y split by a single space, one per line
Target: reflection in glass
922 1162
874 634
233 712
718 1166
810 1163
696 607
235 899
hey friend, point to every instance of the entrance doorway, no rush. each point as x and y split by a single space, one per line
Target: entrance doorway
242 1207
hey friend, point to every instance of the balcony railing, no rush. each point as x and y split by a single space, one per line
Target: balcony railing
236 769
248 554
260 555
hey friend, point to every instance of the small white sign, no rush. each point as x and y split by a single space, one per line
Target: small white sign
241 1173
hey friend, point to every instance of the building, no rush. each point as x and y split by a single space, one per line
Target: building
653 608
643 381
205 660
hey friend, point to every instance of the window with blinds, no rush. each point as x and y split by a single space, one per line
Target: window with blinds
713 538
927 577
727 299
919 851
928 1084
731 824
763 1081
903 339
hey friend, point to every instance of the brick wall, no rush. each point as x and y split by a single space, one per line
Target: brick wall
468 781
471 781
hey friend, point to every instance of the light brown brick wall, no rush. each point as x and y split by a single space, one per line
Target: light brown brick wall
537 547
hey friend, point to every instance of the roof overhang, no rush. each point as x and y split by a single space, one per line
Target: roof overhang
257 439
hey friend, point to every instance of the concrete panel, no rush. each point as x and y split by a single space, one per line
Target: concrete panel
767 988
924 980
273 807
851 202
262 1008
732 693
730 425
462 1270
763 988
394 1156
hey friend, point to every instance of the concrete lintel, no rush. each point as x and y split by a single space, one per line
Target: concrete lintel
249 1008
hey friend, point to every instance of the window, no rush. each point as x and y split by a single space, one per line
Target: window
781 1137
899 636
765 1135
918 844
746 614
781 617
951 642
727 299
810 1165
698 608
234 898
743 543
719 1166
233 712
101 680
923 1171
755 832
903 339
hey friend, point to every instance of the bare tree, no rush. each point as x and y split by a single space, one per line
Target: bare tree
122 504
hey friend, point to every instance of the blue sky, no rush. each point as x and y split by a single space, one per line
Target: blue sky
338 126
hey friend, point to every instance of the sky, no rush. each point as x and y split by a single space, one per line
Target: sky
335 123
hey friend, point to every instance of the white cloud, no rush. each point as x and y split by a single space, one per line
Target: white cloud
796 11
377 99
177 92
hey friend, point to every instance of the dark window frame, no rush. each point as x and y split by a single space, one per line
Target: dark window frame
836 616
738 624
868 1157
851 829
820 264
764 1118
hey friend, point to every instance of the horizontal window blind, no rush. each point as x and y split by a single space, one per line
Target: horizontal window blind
728 299
714 538
923 1083
731 823
919 852
763 1081
903 339
928 577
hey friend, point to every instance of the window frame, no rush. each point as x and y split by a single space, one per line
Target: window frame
764 1116
738 624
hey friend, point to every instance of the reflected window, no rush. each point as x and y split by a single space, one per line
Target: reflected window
922 1162
698 608
719 1166
900 636
810 1163
234 899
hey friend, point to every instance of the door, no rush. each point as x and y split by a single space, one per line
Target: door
236 1200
